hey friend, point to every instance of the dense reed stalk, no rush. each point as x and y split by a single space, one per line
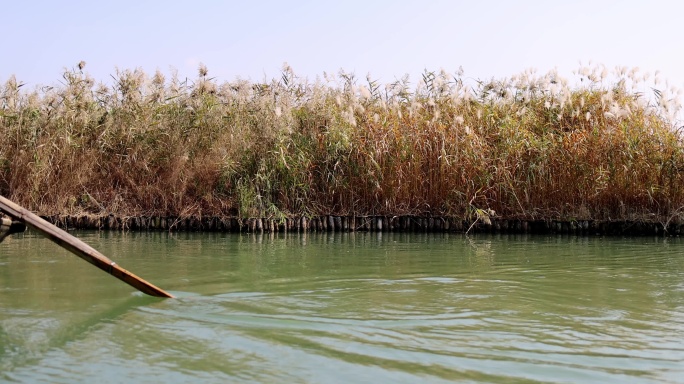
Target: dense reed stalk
533 146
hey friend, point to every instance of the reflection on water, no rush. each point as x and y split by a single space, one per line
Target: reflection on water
351 307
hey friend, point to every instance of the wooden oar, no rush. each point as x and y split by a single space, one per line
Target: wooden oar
79 248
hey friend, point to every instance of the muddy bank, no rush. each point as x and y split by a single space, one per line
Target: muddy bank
367 223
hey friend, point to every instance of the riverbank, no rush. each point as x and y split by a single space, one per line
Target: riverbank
606 146
330 223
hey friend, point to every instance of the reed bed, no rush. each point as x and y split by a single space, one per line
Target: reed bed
603 145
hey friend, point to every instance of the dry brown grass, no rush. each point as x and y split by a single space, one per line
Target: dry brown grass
530 146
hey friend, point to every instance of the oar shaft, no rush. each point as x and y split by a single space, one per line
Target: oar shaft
79 248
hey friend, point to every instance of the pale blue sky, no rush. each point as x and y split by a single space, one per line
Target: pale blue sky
251 39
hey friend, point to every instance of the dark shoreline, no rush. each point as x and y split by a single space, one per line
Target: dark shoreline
331 223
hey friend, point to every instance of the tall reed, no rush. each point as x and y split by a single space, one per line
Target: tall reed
535 146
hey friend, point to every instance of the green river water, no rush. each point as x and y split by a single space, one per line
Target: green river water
345 308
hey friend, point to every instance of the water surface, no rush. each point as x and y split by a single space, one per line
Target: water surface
354 307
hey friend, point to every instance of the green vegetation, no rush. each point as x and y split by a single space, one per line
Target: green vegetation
532 146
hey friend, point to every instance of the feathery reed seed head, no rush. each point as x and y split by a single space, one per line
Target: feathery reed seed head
202 70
